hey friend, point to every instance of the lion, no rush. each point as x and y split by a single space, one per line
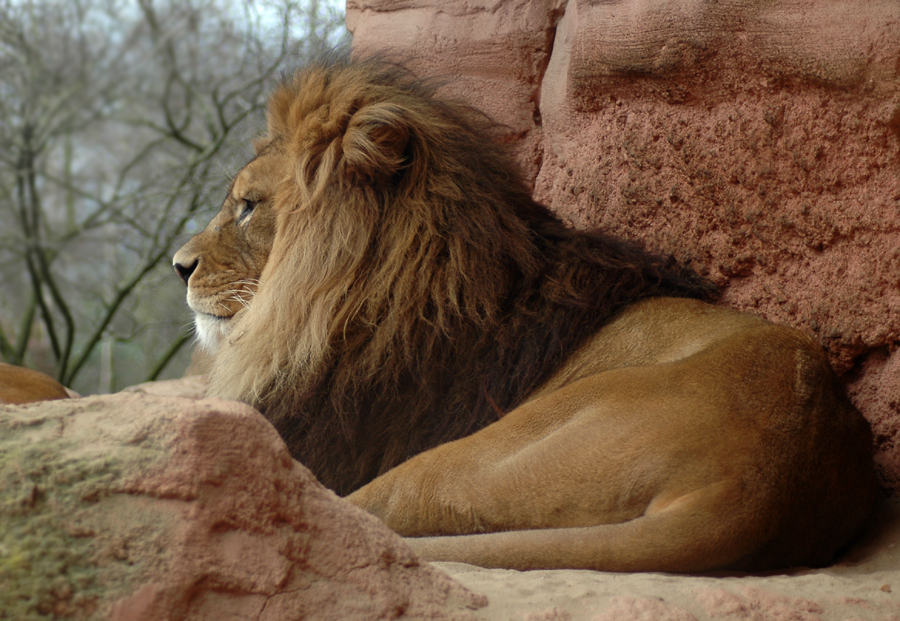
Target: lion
20 385
497 387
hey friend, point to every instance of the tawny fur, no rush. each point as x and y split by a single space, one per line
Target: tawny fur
427 288
379 283
21 385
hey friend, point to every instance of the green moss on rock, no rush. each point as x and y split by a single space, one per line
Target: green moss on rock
58 487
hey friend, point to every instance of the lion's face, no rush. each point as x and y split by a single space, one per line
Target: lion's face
222 264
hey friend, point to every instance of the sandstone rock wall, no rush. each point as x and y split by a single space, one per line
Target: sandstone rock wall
759 141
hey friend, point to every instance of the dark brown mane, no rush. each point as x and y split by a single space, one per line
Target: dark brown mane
464 295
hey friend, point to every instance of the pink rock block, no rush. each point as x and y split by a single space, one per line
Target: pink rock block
494 52
635 609
137 507
190 387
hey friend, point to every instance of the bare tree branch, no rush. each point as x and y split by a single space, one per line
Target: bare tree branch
116 121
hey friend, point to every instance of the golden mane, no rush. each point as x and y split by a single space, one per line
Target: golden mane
414 290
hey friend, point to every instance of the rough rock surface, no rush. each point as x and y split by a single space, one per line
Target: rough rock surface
190 387
759 141
138 507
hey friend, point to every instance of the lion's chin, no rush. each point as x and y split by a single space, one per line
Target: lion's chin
211 330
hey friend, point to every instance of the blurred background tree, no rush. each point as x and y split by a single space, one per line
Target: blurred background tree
121 122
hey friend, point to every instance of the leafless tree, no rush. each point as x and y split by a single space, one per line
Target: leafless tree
118 123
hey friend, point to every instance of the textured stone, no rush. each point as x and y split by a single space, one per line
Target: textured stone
190 387
139 507
758 141
495 52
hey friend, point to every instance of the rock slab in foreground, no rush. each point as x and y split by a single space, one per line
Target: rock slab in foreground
133 506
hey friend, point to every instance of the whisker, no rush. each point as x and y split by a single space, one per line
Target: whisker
241 301
254 282
241 296
241 292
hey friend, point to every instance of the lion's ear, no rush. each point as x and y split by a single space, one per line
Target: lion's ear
376 143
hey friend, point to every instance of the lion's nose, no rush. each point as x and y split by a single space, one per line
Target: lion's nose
184 271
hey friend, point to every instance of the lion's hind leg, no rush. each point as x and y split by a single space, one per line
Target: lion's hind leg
699 531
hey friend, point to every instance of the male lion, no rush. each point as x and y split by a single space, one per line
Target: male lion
379 282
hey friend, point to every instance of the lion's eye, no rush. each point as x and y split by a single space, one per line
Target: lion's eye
247 206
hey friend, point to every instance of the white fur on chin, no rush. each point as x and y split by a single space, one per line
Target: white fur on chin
210 331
